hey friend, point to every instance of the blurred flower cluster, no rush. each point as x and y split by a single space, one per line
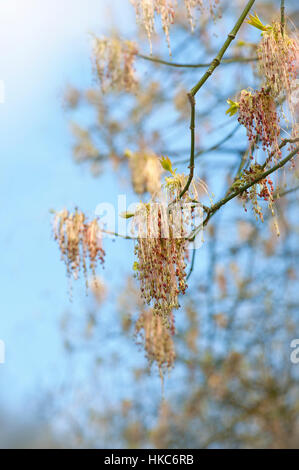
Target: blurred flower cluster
146 10
157 340
114 63
80 242
84 147
146 171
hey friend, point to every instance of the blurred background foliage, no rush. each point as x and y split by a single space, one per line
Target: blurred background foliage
233 384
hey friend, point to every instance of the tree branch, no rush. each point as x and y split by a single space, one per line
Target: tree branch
285 193
283 143
230 60
115 234
192 264
212 210
231 36
192 129
282 16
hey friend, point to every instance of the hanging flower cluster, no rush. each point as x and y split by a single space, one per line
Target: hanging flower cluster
98 289
190 6
162 229
162 243
114 64
264 189
161 255
277 54
278 65
257 112
146 10
80 242
156 339
277 59
146 171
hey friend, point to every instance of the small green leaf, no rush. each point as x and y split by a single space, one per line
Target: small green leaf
233 107
135 266
127 215
166 164
128 153
256 22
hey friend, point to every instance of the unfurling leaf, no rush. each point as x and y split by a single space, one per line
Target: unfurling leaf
128 153
233 107
127 215
166 164
135 266
256 22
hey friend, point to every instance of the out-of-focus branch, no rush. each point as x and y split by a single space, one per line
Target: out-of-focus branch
215 146
115 234
230 60
282 16
285 193
192 264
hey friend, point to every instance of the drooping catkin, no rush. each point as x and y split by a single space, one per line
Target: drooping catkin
114 64
80 242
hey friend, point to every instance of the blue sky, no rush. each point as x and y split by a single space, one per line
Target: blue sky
44 46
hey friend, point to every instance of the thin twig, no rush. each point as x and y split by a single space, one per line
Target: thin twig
285 193
282 16
115 234
239 191
218 144
192 263
230 60
215 146
192 129
282 144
